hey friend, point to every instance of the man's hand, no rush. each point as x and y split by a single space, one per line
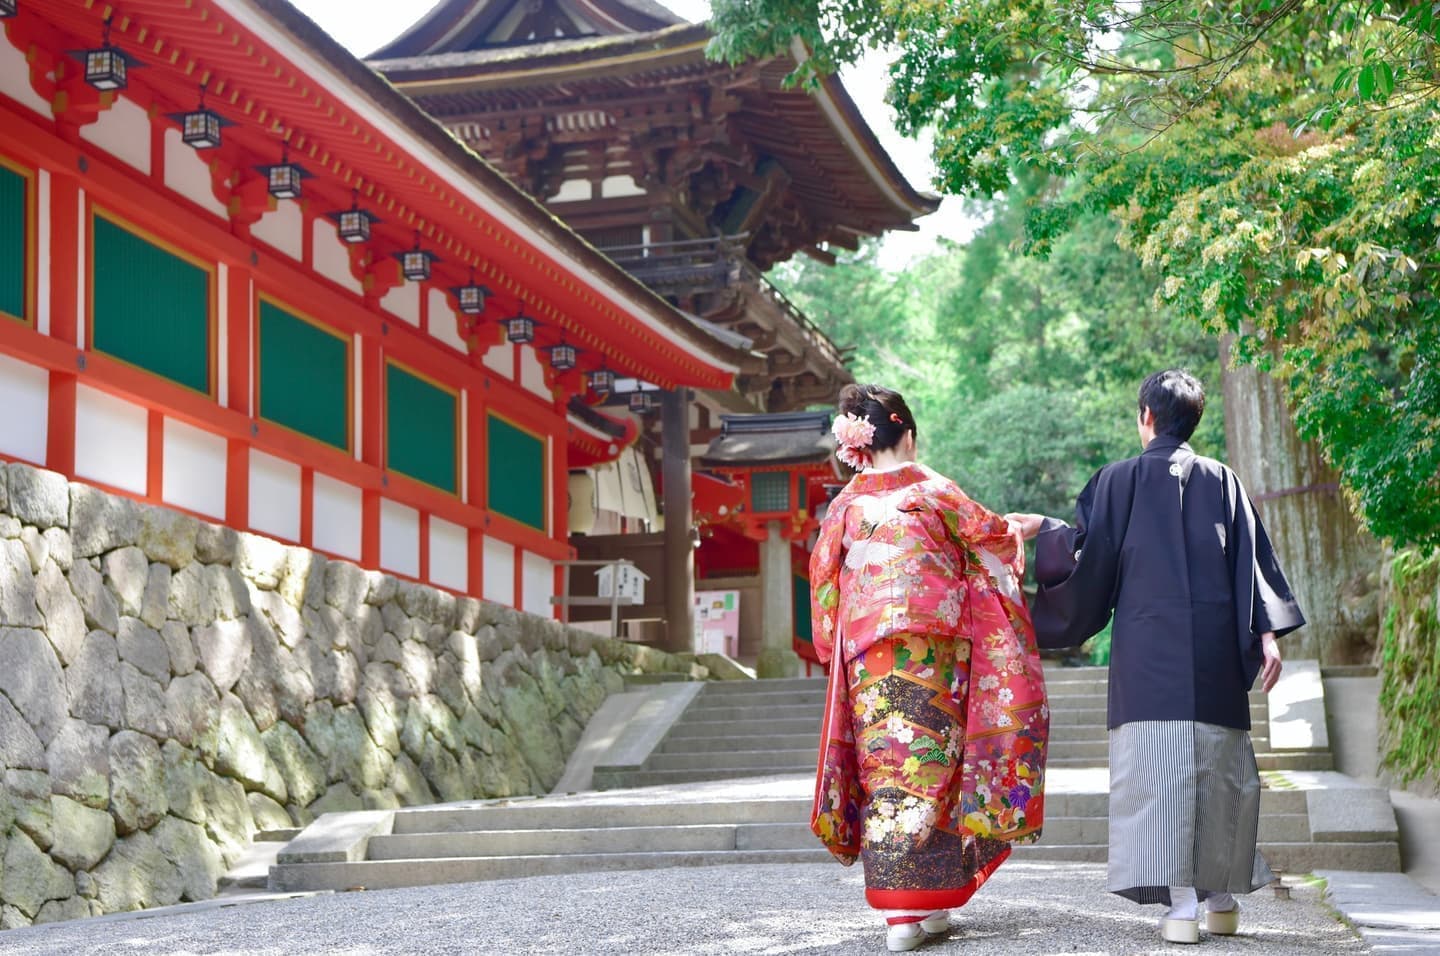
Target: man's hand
1028 524
1270 673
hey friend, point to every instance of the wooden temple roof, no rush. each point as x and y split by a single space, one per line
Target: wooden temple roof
568 88
768 440
468 24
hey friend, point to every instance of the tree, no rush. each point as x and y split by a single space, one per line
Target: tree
1272 163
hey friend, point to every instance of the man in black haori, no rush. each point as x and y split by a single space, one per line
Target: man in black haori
1170 543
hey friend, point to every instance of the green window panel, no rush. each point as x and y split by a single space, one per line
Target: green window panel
515 473
421 431
803 630
304 377
151 307
14 247
770 491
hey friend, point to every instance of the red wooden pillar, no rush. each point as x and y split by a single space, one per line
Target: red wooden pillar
475 458
372 448
242 391
66 205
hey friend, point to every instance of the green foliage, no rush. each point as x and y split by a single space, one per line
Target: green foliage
1274 163
1409 703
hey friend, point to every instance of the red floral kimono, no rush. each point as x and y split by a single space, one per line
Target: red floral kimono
932 752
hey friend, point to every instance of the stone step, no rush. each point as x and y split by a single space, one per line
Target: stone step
1073 831
1060 716
607 839
1295 760
755 727
608 779
542 814
778 685
780 761
389 874
1062 803
761 700
718 744
1284 856
728 713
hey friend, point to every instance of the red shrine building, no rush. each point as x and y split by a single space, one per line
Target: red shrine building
245 277
696 177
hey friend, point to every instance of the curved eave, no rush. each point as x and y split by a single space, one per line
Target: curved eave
452 24
270 69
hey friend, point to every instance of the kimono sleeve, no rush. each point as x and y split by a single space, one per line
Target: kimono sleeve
825 562
972 526
1273 606
1077 567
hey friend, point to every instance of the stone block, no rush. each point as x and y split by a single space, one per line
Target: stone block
192 710
29 793
30 676
304 582
339 839
64 618
383 588
467 614
137 875
419 601
216 544
339 798
442 771
143 647
101 610
37 549
60 911
92 682
101 522
83 835
228 819
57 543
1351 815
137 782
387 650
286 620
339 737
78 760
336 674
168 537
268 814
155 601
186 783
409 784
127 571
242 753
346 586
301 767
37 497
197 861
381 712
31 878
18 607
180 648
223 649
262 560
146 709
12 918
418 663
19 747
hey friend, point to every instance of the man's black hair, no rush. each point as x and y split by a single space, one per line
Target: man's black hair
1177 399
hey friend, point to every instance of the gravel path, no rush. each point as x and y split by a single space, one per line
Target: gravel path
809 908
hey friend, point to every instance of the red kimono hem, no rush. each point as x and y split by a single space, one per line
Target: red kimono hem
945 899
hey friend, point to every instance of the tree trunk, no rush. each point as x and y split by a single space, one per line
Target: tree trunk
1332 565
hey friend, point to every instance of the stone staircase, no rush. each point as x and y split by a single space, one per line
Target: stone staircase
732 729
723 773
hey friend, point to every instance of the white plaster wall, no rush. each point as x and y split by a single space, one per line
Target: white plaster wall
15 78
403 302
111 440
194 469
25 399
337 517
399 539
539 585
283 229
123 131
443 323
532 373
499 572
332 257
274 496
449 555
573 190
501 360
187 171
614 186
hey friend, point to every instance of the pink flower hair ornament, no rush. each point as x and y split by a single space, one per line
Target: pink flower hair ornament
854 435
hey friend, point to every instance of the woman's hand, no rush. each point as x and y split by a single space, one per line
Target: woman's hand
1270 672
1028 524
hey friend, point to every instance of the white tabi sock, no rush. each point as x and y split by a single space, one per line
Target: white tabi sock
1183 903
1220 903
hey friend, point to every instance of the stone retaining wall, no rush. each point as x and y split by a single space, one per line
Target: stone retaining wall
1410 671
168 688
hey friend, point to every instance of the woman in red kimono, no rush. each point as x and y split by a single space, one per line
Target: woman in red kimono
932 752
